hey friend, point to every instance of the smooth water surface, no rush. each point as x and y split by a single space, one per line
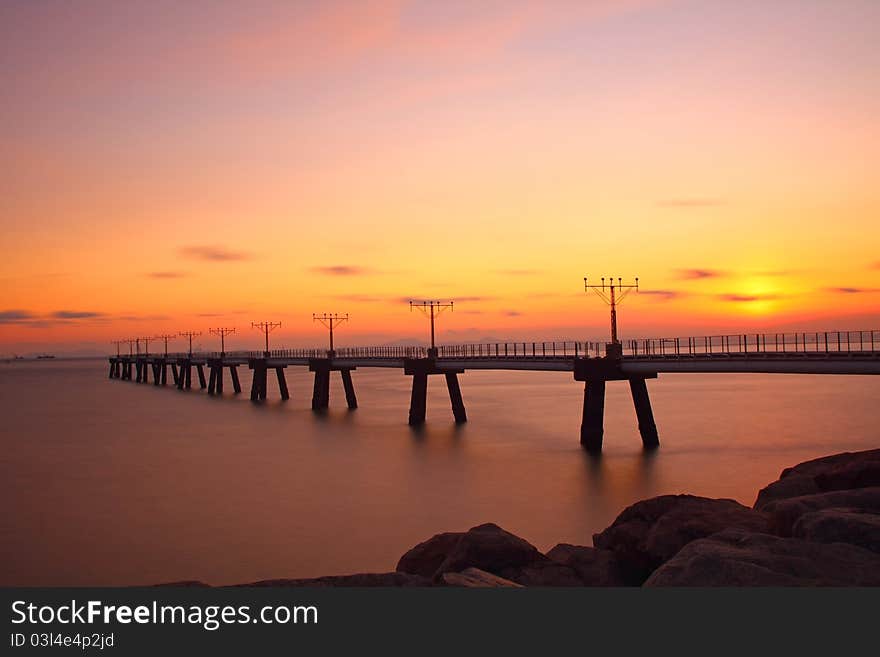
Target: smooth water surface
107 482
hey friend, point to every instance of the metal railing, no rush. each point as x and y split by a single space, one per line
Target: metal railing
763 344
815 343
535 350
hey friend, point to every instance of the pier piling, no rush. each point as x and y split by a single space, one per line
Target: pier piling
592 424
642 402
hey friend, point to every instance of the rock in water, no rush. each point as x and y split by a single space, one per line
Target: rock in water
476 578
544 572
784 514
360 580
740 558
425 558
594 567
650 532
489 548
836 472
853 526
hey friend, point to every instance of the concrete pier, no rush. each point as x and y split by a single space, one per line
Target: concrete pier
322 367
282 383
420 369
258 385
593 421
642 402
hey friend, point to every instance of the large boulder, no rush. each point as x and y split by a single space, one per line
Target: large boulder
853 526
740 558
543 572
593 566
476 578
425 558
650 532
359 579
829 473
489 548
783 514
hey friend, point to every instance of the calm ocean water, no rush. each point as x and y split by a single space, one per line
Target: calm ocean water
112 483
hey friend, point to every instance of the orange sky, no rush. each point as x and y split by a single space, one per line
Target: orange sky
171 166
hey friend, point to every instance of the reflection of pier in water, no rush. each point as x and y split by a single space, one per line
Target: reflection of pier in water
634 361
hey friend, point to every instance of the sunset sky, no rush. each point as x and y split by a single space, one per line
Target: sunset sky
174 165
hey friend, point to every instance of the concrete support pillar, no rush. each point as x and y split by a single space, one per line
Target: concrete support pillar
282 383
455 397
112 367
321 391
218 383
174 374
233 372
642 402
592 425
258 385
201 371
419 399
157 374
347 383
212 379
145 371
187 375
164 373
137 372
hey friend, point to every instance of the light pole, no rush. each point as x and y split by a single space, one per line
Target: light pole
330 320
431 309
266 328
612 293
222 332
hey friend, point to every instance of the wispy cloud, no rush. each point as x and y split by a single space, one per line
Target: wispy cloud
876 265
213 253
360 298
34 320
141 318
663 295
698 274
691 202
342 270
853 290
15 316
747 298
76 314
512 313
166 274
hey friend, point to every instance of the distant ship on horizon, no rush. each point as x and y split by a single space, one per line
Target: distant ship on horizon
45 356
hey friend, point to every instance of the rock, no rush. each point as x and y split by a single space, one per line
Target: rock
594 567
735 557
476 578
186 583
650 532
836 472
850 476
543 572
360 579
425 558
784 514
847 525
489 548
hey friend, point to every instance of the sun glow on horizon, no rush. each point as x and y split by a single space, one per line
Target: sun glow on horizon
166 170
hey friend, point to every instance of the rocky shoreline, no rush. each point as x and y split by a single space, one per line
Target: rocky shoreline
817 525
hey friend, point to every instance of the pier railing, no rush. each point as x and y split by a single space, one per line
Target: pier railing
808 344
745 344
542 350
